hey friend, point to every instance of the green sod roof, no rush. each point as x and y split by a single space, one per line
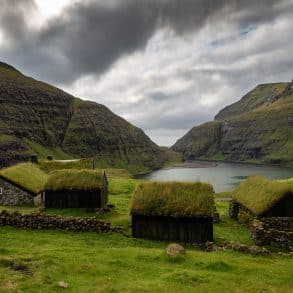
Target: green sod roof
26 175
72 179
259 194
173 199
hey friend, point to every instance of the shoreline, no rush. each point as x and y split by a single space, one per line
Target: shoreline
202 163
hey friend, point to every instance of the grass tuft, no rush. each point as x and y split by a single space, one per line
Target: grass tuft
219 266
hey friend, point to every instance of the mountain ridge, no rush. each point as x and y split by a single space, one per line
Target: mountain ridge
257 128
37 117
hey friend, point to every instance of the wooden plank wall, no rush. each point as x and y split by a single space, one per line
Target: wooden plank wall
75 199
183 229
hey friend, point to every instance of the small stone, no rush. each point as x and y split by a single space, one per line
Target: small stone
63 285
254 249
174 249
209 246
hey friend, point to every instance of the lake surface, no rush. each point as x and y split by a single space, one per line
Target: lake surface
223 176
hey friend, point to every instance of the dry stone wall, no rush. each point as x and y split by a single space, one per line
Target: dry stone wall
276 231
240 213
11 195
43 221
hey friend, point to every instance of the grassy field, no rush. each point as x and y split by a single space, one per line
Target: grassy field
91 262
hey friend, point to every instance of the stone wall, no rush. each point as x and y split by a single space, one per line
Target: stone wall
240 213
44 221
233 209
274 231
11 195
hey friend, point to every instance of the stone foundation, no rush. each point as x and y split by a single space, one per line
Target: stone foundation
11 195
274 231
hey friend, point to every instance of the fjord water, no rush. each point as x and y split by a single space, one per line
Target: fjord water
223 176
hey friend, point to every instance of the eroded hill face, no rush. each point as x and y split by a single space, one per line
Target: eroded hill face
36 117
257 128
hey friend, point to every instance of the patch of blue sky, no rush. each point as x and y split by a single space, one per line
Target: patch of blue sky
240 35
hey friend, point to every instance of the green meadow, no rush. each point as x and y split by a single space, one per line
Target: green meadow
112 262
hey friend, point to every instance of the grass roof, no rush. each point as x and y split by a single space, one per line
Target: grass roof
258 194
173 199
26 175
72 179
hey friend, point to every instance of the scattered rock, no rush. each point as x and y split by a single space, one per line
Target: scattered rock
257 250
63 285
174 249
209 246
290 254
237 246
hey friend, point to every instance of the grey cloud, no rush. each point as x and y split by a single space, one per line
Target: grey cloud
177 93
91 36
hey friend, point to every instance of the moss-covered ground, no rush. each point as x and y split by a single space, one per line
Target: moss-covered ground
91 262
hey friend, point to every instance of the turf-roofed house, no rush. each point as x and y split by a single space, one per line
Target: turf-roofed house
262 198
173 211
22 184
76 189
267 206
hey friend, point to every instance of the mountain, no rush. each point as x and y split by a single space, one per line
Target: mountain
257 128
36 117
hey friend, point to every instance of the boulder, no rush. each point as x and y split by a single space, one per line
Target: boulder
257 250
174 249
63 285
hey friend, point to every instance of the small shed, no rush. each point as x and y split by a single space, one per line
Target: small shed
76 189
262 198
21 184
173 211
267 207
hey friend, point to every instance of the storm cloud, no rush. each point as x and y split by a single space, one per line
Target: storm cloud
88 37
165 65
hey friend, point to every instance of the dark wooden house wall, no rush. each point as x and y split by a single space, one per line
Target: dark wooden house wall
183 229
76 199
283 208
91 199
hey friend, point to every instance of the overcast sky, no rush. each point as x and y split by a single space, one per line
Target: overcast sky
164 65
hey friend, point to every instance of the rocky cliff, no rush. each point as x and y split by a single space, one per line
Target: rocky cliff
258 128
36 117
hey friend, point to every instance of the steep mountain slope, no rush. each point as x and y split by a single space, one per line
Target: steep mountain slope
37 117
256 128
262 94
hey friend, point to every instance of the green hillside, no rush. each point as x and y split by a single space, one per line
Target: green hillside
262 94
39 118
258 128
